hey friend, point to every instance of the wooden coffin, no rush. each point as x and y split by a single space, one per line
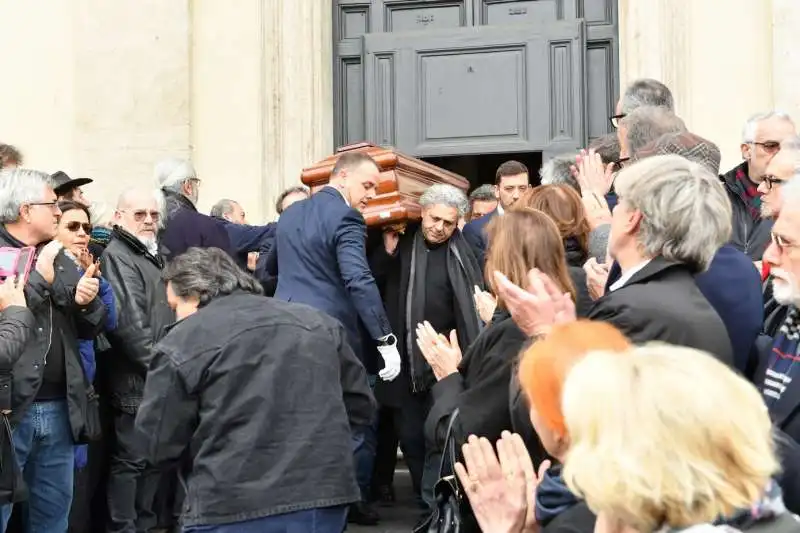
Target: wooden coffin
403 180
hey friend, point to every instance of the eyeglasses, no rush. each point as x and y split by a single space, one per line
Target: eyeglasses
615 119
74 226
781 243
770 147
51 205
140 215
771 181
619 163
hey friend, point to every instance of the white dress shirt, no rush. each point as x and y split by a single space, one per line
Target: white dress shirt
626 276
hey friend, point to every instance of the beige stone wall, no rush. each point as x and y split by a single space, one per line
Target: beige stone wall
724 60
105 89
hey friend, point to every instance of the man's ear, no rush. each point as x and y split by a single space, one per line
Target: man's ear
746 151
25 212
497 192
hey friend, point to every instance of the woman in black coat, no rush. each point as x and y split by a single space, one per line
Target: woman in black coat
478 384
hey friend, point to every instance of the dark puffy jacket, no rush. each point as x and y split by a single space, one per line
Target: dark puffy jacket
186 228
142 316
750 232
53 304
261 394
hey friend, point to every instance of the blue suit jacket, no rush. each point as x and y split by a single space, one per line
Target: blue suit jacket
475 234
320 259
732 286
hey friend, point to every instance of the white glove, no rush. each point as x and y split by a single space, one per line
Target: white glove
391 358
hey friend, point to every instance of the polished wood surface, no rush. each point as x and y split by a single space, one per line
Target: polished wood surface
403 179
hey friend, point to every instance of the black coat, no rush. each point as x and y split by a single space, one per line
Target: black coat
750 234
142 316
661 302
45 301
480 388
262 395
392 274
186 228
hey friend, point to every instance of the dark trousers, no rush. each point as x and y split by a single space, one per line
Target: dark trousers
89 512
364 442
407 422
324 520
132 485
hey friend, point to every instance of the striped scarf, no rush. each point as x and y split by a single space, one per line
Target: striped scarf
747 191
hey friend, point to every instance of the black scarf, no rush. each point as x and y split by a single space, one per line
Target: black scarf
552 496
462 271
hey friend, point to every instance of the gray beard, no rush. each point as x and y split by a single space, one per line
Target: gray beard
151 244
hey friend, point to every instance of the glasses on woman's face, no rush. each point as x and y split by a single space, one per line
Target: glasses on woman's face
74 226
140 215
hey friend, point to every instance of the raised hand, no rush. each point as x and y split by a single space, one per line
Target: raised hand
88 286
442 354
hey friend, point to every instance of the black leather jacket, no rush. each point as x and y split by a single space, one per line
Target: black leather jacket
750 235
142 316
261 394
46 302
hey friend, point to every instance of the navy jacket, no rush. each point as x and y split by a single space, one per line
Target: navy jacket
246 238
732 286
475 234
320 259
186 228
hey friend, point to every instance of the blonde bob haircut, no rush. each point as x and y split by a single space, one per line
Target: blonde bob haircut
667 437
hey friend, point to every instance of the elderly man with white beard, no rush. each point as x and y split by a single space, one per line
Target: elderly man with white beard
132 264
779 368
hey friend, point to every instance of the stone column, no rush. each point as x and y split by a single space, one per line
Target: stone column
130 89
715 55
786 56
298 95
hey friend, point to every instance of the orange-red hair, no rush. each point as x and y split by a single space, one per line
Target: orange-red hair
546 364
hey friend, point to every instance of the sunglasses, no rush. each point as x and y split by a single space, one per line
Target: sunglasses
140 215
74 226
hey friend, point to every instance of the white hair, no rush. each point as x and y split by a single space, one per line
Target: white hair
19 186
444 194
171 173
750 127
647 92
686 213
647 124
101 214
123 201
558 171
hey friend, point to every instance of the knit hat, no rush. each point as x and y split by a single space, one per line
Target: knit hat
691 146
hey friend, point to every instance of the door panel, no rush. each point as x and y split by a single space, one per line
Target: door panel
502 12
477 90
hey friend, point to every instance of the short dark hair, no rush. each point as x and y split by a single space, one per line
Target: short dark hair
509 168
282 196
206 274
350 160
608 147
9 155
69 205
484 193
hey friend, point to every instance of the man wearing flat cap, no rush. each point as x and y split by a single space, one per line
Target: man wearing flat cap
67 188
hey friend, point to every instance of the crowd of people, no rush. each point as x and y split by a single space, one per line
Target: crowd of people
612 349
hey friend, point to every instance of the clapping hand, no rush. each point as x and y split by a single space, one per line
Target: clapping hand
501 488
485 304
45 259
539 306
443 355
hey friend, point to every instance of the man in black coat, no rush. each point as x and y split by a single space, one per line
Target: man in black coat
132 265
261 394
427 274
52 407
672 217
185 227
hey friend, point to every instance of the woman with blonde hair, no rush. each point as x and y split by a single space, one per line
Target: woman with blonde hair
690 443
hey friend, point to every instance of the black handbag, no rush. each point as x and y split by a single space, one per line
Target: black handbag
12 484
451 513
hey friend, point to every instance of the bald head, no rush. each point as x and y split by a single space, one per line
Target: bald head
139 212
